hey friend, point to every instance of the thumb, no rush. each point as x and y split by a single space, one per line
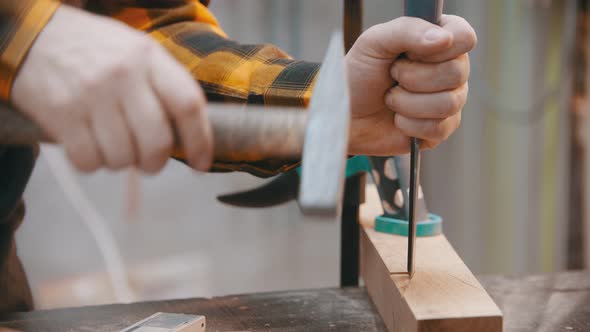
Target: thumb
414 36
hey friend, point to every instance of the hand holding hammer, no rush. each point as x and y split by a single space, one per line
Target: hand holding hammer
319 136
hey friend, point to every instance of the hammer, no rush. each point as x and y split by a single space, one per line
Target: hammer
248 133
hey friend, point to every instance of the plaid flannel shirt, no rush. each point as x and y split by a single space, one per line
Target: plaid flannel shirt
227 71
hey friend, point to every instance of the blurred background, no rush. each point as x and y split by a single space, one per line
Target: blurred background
510 184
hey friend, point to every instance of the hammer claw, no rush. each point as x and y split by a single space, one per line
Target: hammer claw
280 190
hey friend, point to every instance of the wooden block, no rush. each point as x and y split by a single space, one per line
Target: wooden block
443 295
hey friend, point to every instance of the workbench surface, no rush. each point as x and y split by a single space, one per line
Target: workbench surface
558 302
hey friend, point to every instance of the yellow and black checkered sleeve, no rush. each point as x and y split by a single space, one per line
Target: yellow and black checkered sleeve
228 71
20 23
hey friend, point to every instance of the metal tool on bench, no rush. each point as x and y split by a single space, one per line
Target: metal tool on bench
169 322
319 137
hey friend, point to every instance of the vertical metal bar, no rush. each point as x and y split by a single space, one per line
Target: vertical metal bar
354 190
574 239
353 21
354 196
414 185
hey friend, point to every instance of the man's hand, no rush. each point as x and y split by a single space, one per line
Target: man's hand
408 79
111 95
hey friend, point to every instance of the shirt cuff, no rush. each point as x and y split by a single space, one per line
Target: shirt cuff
20 28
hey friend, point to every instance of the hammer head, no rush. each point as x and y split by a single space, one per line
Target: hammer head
326 137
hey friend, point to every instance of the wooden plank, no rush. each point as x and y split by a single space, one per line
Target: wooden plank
443 295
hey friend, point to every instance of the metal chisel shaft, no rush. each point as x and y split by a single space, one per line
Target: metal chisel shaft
414 188
429 10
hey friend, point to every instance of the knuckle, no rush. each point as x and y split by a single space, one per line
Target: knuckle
465 92
82 161
149 168
160 148
119 162
189 105
455 101
91 81
154 165
471 37
467 38
392 99
119 69
404 21
146 45
60 101
457 122
86 168
367 38
452 104
121 65
429 145
141 48
401 123
407 77
437 131
456 73
372 32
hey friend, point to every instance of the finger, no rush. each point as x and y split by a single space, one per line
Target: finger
421 77
82 149
437 105
403 35
150 127
113 137
185 103
391 140
464 40
434 131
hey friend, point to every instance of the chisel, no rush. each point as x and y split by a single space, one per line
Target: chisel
431 11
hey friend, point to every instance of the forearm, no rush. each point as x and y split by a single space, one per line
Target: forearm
227 70
232 72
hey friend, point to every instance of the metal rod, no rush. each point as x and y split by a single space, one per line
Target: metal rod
414 188
353 22
355 186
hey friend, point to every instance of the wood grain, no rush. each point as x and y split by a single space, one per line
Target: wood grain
443 295
541 303
305 310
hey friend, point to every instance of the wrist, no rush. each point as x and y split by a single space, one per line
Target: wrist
357 138
32 20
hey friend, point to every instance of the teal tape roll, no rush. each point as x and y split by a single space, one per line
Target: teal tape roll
430 227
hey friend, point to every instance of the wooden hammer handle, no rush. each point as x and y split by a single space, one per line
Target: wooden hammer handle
17 129
239 133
